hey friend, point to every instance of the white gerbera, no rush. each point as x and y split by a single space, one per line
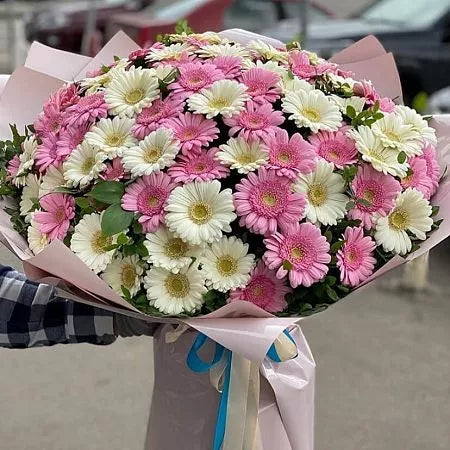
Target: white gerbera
357 103
324 191
199 212
226 97
83 165
93 84
30 196
384 159
168 251
225 49
243 155
166 73
418 123
272 66
126 272
26 158
53 178
227 264
394 133
112 136
292 83
312 109
155 152
338 80
36 239
173 51
175 293
90 243
261 49
411 213
131 90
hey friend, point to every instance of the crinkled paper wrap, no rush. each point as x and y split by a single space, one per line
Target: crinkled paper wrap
184 404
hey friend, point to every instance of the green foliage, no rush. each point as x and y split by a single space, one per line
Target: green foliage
109 192
182 27
115 219
401 157
420 102
366 117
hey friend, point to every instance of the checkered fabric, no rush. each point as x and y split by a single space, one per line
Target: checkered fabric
31 315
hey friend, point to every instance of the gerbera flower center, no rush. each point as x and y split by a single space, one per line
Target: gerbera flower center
297 253
244 158
219 103
368 195
100 242
152 200
60 214
317 194
128 275
115 140
253 121
134 96
176 248
87 166
260 291
152 154
269 199
199 167
399 219
195 80
200 213
226 265
311 114
177 285
392 136
189 133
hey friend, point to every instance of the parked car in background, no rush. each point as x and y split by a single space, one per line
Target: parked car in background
416 31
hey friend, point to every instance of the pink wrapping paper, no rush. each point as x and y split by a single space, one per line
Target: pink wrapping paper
287 388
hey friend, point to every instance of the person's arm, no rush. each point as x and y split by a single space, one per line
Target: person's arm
31 316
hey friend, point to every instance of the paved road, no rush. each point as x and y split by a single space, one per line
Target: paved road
383 380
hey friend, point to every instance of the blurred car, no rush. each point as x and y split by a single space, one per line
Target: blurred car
416 31
439 102
63 26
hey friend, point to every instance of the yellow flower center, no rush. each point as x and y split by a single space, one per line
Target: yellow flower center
257 291
115 140
284 157
398 219
128 275
369 195
177 285
134 96
200 213
311 114
152 155
226 265
244 158
219 103
87 165
200 167
269 199
176 248
153 201
317 194
100 241
60 214
296 253
392 136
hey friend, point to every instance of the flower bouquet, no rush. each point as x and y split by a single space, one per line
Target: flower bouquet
216 176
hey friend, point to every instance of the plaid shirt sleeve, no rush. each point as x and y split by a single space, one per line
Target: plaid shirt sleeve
31 315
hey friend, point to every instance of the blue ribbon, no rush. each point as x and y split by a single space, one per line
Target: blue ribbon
197 364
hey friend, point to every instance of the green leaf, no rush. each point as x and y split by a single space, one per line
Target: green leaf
332 293
115 219
420 102
378 116
109 192
122 239
434 211
376 106
183 27
126 292
350 205
401 158
111 247
142 250
287 265
350 112
329 235
82 202
363 202
336 246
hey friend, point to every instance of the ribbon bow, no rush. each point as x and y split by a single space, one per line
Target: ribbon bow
237 379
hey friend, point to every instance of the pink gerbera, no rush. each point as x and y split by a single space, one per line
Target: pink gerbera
148 196
302 67
151 118
114 170
193 131
355 258
290 156
264 202
301 251
335 147
69 139
47 153
256 121
378 192
13 166
54 220
88 109
140 53
433 169
50 120
417 177
193 77
65 96
264 289
198 166
262 85
365 89
229 65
